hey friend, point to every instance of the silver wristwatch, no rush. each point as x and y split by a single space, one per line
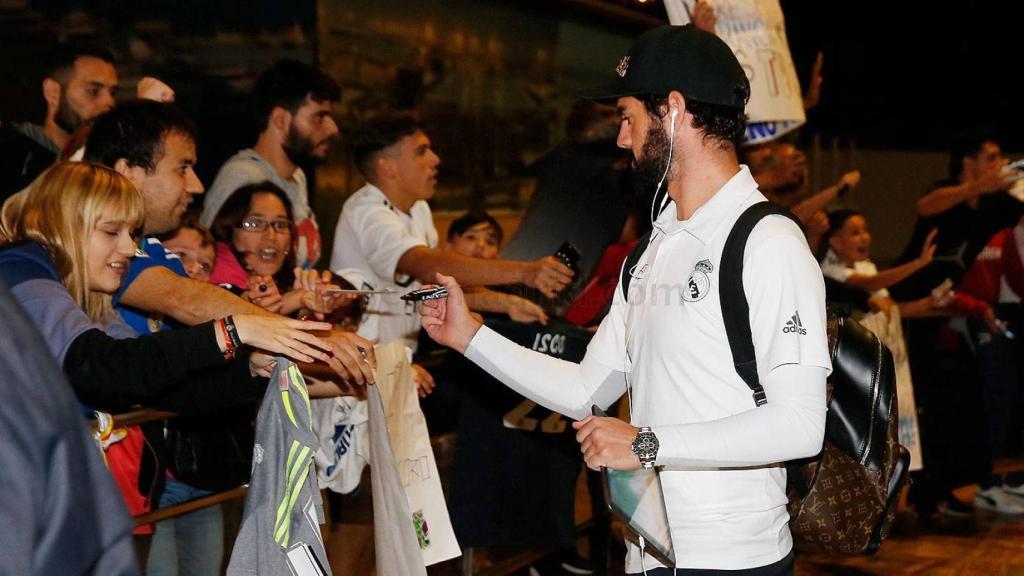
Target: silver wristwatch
645 446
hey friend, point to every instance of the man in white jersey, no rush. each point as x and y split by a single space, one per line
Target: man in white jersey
386 229
681 94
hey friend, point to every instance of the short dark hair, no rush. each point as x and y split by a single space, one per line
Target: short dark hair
287 84
726 124
969 144
379 132
190 220
135 131
837 219
61 58
472 218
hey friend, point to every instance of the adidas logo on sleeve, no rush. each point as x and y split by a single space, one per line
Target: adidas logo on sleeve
794 326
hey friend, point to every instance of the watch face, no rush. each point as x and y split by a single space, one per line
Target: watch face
645 445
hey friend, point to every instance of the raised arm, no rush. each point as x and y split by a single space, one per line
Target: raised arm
941 199
481 299
805 209
896 274
547 274
564 387
160 290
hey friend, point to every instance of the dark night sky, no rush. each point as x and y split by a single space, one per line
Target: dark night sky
904 74
910 75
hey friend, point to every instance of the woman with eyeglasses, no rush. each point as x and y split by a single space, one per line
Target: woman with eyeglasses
64 248
254 254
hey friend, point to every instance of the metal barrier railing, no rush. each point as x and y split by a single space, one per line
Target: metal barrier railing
142 416
502 568
191 506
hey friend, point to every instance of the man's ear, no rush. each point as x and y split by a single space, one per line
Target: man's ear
384 167
280 119
676 102
833 241
51 93
133 173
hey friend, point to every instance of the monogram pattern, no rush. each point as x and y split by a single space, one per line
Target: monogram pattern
836 504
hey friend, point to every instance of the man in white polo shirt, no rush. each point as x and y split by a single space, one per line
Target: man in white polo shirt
681 94
386 229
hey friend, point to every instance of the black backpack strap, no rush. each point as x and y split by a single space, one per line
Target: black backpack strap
631 261
735 309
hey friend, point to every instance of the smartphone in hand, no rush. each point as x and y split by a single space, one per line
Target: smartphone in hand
568 254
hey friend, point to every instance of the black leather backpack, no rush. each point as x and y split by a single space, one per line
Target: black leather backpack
842 501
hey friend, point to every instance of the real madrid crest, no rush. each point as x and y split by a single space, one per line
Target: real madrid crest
623 67
698 285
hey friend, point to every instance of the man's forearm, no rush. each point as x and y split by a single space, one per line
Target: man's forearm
942 199
481 299
808 207
191 302
424 264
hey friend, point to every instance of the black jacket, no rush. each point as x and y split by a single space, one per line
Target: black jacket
21 159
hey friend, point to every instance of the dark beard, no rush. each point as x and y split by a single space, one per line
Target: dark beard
792 187
648 170
66 118
298 147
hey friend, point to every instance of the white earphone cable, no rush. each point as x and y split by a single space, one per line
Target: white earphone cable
668 165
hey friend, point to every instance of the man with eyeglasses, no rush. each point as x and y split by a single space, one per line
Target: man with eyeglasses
293 102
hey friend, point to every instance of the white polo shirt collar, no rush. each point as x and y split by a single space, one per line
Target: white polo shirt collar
710 217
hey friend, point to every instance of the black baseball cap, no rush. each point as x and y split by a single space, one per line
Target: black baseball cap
685 58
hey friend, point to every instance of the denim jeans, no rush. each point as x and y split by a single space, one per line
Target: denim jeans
189 545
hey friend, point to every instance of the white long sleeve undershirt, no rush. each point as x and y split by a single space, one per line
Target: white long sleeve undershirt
560 386
791 425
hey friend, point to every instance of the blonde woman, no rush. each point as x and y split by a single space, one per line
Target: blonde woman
64 248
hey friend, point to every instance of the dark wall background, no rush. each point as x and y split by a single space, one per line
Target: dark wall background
494 79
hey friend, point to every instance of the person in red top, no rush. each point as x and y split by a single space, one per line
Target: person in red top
991 292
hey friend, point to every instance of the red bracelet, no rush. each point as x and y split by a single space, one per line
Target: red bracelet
229 346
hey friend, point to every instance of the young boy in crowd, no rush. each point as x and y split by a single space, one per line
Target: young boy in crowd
194 246
478 234
848 261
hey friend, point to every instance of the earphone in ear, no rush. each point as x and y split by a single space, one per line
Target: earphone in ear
675 112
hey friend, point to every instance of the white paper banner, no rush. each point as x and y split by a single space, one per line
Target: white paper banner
756 32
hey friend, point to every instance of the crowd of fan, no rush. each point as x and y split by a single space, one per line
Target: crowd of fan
145 298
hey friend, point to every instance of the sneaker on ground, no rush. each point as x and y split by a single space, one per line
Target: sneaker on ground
998 500
1017 490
